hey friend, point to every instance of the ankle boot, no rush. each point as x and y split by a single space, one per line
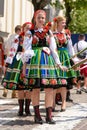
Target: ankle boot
37 117
49 119
21 105
27 105
68 99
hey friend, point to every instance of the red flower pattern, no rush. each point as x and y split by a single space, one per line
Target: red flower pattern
63 81
53 81
16 40
11 85
35 40
31 81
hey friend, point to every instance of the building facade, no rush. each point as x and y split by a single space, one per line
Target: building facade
14 12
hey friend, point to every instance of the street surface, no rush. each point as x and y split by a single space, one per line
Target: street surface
74 118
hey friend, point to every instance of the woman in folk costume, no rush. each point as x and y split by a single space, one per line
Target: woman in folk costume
24 96
7 46
13 78
65 51
40 70
1 55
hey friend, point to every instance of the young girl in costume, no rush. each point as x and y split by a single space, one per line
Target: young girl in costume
13 78
65 51
7 46
41 73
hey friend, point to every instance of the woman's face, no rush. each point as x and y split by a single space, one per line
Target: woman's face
40 20
62 24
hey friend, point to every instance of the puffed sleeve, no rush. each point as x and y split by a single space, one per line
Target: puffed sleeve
27 44
72 51
70 48
53 49
13 50
28 52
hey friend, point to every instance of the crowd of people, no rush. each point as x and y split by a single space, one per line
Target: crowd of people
40 58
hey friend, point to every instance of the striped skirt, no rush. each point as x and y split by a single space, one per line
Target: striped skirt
13 76
41 71
65 77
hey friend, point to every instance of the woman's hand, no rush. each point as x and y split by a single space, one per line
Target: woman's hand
63 68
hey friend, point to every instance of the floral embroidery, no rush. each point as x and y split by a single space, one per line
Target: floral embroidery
63 81
42 34
11 85
25 81
32 81
35 40
49 24
16 40
22 76
11 55
4 84
53 81
45 81
61 38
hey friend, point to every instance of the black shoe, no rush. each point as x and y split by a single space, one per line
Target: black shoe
50 121
38 120
53 110
28 114
69 100
20 114
62 110
78 92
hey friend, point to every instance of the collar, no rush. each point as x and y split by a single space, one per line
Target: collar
39 30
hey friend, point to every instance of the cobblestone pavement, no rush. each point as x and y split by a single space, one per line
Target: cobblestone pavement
74 118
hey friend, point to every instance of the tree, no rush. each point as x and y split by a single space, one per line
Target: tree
41 4
76 15
75 12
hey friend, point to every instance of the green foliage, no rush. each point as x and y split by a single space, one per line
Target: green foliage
78 23
77 15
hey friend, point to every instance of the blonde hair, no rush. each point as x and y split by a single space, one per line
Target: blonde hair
56 21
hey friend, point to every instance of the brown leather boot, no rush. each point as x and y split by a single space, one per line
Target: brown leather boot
21 105
49 119
37 117
27 105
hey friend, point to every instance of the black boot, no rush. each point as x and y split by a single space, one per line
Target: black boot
37 117
21 105
68 99
27 105
49 119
